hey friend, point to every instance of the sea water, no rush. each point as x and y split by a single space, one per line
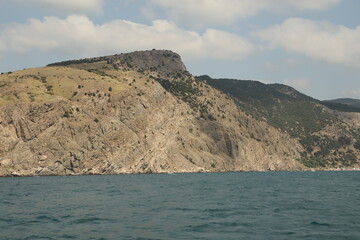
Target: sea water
258 205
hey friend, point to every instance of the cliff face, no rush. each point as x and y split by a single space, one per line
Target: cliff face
130 113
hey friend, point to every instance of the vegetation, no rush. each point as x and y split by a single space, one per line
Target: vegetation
340 107
297 116
300 116
187 91
42 84
66 114
346 101
98 72
71 62
49 88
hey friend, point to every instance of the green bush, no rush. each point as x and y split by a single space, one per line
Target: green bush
66 114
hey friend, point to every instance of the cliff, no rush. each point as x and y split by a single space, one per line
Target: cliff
140 112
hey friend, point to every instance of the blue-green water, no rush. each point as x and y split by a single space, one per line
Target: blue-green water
271 205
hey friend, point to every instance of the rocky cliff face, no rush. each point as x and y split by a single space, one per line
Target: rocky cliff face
131 113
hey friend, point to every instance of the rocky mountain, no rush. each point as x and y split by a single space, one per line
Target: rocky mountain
143 112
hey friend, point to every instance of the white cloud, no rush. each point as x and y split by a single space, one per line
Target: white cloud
263 81
354 93
298 83
269 67
78 35
68 6
2 46
308 4
292 62
203 12
317 40
284 65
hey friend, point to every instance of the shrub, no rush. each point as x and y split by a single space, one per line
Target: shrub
49 88
66 114
357 145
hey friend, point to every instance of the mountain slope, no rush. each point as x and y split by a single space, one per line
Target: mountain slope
143 112
328 140
110 115
352 105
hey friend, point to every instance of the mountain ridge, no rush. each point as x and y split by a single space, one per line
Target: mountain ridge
354 104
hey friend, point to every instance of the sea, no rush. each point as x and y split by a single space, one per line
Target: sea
242 205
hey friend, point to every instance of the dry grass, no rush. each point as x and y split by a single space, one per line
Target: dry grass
56 83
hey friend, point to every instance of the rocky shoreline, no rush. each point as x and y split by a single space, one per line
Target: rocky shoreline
16 175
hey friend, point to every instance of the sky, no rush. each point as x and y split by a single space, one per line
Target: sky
311 45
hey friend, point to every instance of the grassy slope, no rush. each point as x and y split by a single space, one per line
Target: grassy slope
55 83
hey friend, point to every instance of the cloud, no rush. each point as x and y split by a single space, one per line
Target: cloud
292 62
78 35
270 66
308 4
263 81
298 83
199 12
317 40
68 6
2 46
355 93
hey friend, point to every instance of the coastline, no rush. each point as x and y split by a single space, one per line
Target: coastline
15 175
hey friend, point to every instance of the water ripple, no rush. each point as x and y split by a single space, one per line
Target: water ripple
215 206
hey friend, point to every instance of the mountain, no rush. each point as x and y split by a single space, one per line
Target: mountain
328 138
143 112
351 103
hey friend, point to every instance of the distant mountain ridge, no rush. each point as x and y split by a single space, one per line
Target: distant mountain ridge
355 103
143 112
